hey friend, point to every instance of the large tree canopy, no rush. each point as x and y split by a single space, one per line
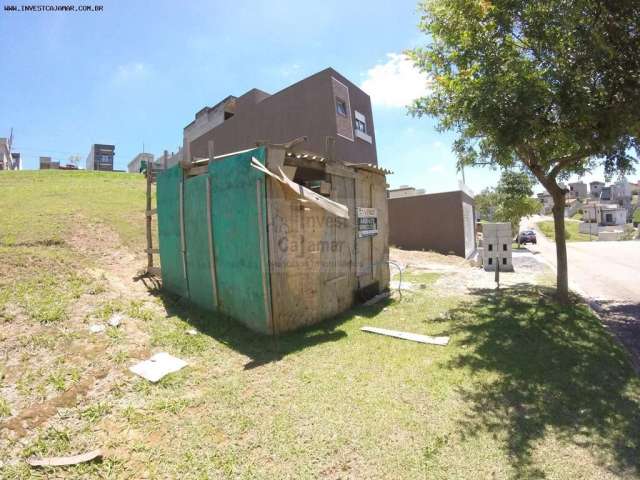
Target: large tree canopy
553 84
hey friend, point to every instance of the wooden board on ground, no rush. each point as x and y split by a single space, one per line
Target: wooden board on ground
408 336
63 461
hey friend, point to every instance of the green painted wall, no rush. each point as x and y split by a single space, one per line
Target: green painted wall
238 216
196 229
239 220
168 201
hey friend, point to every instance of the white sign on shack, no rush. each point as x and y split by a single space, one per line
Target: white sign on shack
367 222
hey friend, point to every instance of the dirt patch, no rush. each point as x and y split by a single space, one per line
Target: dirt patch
39 354
459 276
37 414
414 258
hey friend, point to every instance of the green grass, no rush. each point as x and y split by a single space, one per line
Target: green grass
572 233
636 216
41 262
525 388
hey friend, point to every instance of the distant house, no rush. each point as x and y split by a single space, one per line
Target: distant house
47 164
442 222
604 214
595 188
101 157
139 162
578 189
605 194
547 202
8 160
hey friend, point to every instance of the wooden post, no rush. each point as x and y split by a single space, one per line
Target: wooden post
210 150
183 243
212 259
148 217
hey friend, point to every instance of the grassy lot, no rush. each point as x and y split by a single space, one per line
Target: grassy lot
571 229
525 388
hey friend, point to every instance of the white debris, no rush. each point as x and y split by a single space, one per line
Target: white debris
158 366
64 461
96 328
192 331
116 319
408 336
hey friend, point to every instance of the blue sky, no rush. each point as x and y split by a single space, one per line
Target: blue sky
138 71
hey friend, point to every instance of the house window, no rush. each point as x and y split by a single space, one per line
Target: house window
341 107
490 247
504 261
504 247
360 125
608 218
490 260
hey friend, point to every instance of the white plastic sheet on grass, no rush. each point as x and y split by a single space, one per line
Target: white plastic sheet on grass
158 366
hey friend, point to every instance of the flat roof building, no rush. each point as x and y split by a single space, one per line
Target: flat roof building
139 162
333 113
47 164
442 222
101 157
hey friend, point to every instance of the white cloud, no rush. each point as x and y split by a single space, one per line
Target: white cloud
130 72
395 83
437 168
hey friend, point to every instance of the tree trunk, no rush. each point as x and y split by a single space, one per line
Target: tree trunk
562 282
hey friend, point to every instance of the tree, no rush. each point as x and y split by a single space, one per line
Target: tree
486 203
510 201
514 193
549 84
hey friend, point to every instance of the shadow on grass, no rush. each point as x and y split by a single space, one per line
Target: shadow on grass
261 349
623 319
552 369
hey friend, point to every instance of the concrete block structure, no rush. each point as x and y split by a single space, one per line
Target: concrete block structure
497 241
442 222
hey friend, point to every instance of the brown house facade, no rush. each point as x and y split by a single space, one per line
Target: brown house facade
333 113
442 222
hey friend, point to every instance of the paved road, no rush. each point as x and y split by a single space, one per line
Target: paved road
604 271
608 274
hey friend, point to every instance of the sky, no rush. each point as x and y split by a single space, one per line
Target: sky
135 73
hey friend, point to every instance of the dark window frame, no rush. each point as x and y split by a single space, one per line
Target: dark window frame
340 102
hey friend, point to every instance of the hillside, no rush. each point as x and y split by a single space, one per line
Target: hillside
524 389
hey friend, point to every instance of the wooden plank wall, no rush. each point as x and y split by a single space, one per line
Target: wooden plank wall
373 252
313 255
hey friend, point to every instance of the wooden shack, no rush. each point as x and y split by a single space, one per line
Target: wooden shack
275 237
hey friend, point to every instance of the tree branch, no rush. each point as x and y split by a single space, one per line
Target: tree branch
566 160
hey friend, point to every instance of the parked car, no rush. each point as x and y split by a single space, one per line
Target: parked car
528 236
